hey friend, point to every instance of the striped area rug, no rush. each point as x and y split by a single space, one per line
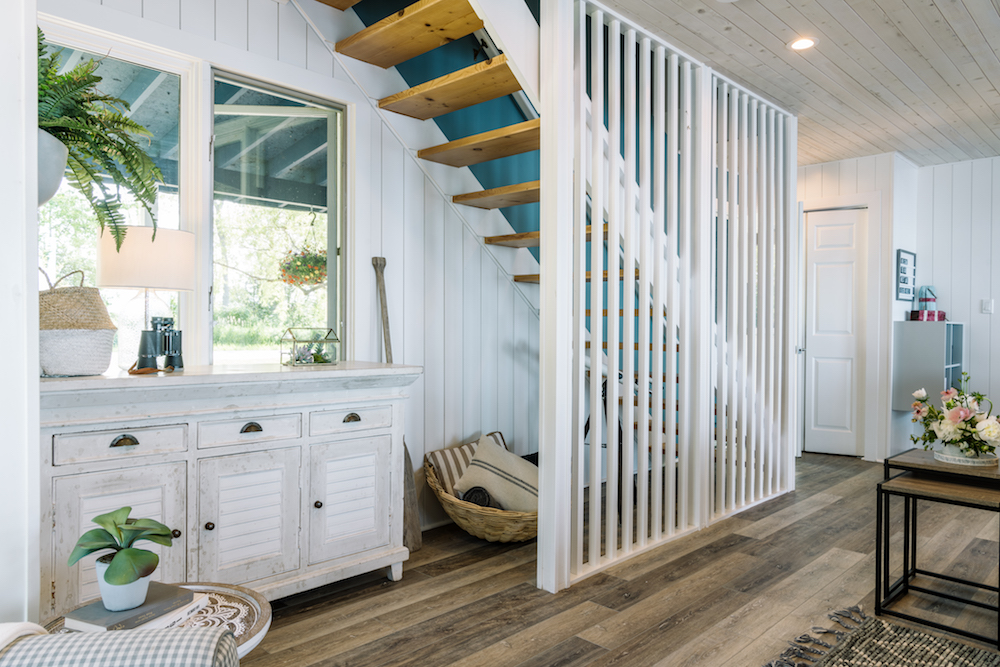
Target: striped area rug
879 643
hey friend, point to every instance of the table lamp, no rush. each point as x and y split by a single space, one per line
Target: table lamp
166 263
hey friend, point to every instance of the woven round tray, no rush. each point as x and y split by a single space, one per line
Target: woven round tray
486 523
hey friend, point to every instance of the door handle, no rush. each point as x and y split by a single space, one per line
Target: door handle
800 350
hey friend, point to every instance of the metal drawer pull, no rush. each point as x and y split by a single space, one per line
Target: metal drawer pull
353 417
251 427
318 504
209 526
124 440
176 533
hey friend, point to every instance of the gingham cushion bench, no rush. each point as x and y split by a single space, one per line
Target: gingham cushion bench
173 647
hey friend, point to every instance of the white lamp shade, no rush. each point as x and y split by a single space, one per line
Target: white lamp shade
168 263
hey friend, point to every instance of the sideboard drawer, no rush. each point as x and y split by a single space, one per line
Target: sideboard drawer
249 429
70 448
349 420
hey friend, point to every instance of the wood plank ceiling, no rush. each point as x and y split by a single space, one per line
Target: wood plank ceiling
921 77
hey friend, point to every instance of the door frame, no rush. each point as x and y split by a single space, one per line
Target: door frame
874 419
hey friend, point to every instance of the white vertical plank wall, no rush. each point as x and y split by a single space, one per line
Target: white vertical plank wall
453 308
665 146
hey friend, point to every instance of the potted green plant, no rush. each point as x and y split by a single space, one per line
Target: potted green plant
123 574
99 138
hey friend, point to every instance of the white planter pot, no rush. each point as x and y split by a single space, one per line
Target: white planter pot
954 455
52 155
120 598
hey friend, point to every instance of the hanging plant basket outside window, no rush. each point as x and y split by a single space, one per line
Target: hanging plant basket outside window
305 267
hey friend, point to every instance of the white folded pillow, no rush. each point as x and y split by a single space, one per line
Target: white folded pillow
509 479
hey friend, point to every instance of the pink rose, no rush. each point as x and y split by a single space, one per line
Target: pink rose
949 395
959 414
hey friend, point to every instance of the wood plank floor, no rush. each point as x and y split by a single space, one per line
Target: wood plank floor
731 595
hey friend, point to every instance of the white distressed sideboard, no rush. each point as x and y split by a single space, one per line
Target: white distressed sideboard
281 479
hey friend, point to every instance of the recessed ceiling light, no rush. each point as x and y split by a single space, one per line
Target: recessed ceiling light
800 43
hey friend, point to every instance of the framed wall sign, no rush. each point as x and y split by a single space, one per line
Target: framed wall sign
906 275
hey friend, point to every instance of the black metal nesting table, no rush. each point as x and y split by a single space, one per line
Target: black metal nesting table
915 475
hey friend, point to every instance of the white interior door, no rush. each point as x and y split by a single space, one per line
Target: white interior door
835 298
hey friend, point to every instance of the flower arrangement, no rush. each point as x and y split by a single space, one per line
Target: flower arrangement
306 267
960 421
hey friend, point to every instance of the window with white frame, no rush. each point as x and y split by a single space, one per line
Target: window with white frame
275 199
277 234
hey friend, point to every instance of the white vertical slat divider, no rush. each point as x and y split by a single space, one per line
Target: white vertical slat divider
761 314
686 486
596 269
663 188
670 376
721 280
743 298
659 437
782 302
643 316
731 303
767 316
750 379
614 303
628 295
579 268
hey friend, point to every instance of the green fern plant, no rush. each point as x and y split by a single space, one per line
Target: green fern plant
100 138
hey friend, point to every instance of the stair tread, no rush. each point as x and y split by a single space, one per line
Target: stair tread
526 239
621 346
417 29
340 4
534 277
523 240
498 143
477 83
508 195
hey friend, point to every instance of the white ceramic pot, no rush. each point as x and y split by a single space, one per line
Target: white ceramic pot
120 598
52 155
953 454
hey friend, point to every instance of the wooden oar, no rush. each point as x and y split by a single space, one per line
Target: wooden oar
412 537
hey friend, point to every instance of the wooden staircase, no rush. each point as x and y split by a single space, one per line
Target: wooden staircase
422 27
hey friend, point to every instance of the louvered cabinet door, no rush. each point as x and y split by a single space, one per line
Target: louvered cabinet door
349 505
154 492
248 516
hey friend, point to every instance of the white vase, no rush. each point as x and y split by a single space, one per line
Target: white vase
52 155
120 597
953 454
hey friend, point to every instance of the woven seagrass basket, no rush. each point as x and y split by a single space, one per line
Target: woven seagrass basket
76 333
485 523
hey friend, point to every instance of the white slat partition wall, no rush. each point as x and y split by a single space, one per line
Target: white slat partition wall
752 299
696 414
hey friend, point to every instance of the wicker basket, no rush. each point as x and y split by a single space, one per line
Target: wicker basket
486 523
75 332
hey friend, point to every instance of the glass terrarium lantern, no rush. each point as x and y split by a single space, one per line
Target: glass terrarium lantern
309 347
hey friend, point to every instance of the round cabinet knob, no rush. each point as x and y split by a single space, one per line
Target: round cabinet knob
318 504
209 526
176 533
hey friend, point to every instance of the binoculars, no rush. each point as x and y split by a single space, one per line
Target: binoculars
162 341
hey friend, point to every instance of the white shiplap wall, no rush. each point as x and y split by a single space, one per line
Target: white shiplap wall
958 235
454 308
887 182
